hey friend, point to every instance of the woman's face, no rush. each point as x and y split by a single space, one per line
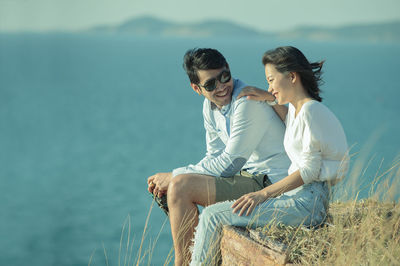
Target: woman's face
280 84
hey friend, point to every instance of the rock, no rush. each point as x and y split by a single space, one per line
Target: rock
238 248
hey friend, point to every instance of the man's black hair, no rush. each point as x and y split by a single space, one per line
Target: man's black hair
202 59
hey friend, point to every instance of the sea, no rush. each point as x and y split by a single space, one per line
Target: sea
85 119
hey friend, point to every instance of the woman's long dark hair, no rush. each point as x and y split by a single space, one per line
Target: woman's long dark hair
291 59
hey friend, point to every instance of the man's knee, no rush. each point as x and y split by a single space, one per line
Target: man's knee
178 187
198 189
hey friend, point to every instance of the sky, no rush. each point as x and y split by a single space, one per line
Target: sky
265 15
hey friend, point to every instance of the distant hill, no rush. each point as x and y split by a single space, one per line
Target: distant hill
372 32
155 26
383 32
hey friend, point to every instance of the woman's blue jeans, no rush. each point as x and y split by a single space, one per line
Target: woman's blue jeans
306 205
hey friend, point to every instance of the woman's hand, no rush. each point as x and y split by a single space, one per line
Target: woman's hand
249 202
256 94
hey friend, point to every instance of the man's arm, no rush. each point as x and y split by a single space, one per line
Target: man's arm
249 124
158 183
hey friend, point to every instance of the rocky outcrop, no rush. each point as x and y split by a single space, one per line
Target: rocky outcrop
240 246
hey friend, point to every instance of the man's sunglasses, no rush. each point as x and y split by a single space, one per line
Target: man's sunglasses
222 77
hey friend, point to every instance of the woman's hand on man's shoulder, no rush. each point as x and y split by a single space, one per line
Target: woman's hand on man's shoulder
256 94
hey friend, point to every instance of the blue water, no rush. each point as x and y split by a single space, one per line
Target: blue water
85 119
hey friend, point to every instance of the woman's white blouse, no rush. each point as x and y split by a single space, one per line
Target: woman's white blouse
315 143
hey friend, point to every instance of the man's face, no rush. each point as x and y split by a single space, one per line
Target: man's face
222 94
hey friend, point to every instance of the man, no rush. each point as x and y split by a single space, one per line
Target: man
240 135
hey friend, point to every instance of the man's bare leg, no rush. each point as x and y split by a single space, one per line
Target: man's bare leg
184 192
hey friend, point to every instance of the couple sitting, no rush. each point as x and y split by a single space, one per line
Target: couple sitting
253 138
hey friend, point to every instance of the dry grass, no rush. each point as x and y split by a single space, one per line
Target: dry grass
357 232
365 232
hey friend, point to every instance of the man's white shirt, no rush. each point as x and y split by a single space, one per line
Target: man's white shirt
244 134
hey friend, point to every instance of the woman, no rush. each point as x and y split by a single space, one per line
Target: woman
314 141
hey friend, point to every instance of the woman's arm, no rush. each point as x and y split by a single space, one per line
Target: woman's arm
256 94
251 200
281 111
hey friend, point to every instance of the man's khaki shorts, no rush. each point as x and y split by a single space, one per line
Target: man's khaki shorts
231 188
228 188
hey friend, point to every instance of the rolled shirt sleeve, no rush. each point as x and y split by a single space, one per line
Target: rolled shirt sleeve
226 160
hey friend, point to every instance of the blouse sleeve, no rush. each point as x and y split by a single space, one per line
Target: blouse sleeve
311 154
324 155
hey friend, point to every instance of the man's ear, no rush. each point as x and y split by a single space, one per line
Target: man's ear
196 88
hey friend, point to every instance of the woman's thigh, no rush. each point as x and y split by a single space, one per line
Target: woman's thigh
306 207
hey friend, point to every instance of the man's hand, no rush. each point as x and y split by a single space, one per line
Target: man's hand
256 94
158 183
249 202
